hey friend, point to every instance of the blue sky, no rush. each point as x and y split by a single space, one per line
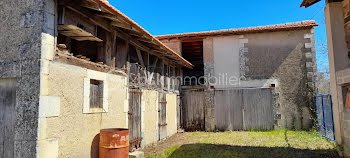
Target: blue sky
179 16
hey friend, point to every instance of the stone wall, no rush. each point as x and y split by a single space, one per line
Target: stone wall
24 26
291 64
263 60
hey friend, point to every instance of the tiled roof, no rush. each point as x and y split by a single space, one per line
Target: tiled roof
241 31
134 24
308 3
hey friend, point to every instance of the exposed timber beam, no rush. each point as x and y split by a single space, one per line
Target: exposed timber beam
139 55
91 17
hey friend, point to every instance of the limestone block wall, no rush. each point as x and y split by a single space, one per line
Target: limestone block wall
65 130
25 25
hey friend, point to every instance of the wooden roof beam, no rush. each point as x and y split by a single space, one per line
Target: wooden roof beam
91 5
142 47
91 17
121 25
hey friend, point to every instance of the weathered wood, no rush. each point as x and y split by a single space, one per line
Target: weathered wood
258 109
139 56
244 109
228 109
61 15
162 124
91 17
122 53
96 94
135 136
7 117
72 18
91 5
137 44
121 25
77 33
178 112
109 48
236 109
193 103
114 50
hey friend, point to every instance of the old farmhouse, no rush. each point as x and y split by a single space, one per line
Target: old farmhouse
69 68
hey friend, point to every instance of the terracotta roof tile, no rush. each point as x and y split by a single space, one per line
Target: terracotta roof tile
241 31
308 3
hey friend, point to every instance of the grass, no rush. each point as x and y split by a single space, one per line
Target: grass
166 153
277 143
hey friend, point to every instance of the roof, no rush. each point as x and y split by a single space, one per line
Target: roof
172 55
308 3
240 31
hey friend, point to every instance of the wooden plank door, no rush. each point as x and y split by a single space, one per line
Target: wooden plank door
7 117
193 107
162 124
228 109
258 109
134 119
178 112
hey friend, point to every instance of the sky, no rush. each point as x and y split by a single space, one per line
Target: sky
161 17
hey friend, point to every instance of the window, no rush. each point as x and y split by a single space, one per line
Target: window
96 94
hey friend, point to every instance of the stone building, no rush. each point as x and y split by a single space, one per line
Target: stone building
69 68
251 78
337 13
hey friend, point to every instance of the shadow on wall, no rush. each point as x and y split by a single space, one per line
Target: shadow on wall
94 153
212 150
295 97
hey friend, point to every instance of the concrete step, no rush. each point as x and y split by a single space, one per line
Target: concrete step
137 154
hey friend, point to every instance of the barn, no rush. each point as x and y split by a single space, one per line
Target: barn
257 78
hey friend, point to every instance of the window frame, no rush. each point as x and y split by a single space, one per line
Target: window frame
101 77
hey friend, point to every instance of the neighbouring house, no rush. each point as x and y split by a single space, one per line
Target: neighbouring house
259 78
69 68
337 16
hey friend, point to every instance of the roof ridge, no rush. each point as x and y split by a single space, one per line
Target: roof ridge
274 27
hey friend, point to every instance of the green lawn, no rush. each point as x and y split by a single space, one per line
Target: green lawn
278 143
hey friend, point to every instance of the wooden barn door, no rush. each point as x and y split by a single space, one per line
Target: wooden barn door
193 107
244 109
135 119
229 109
258 109
7 117
162 116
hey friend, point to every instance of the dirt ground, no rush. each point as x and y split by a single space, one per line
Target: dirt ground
177 139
